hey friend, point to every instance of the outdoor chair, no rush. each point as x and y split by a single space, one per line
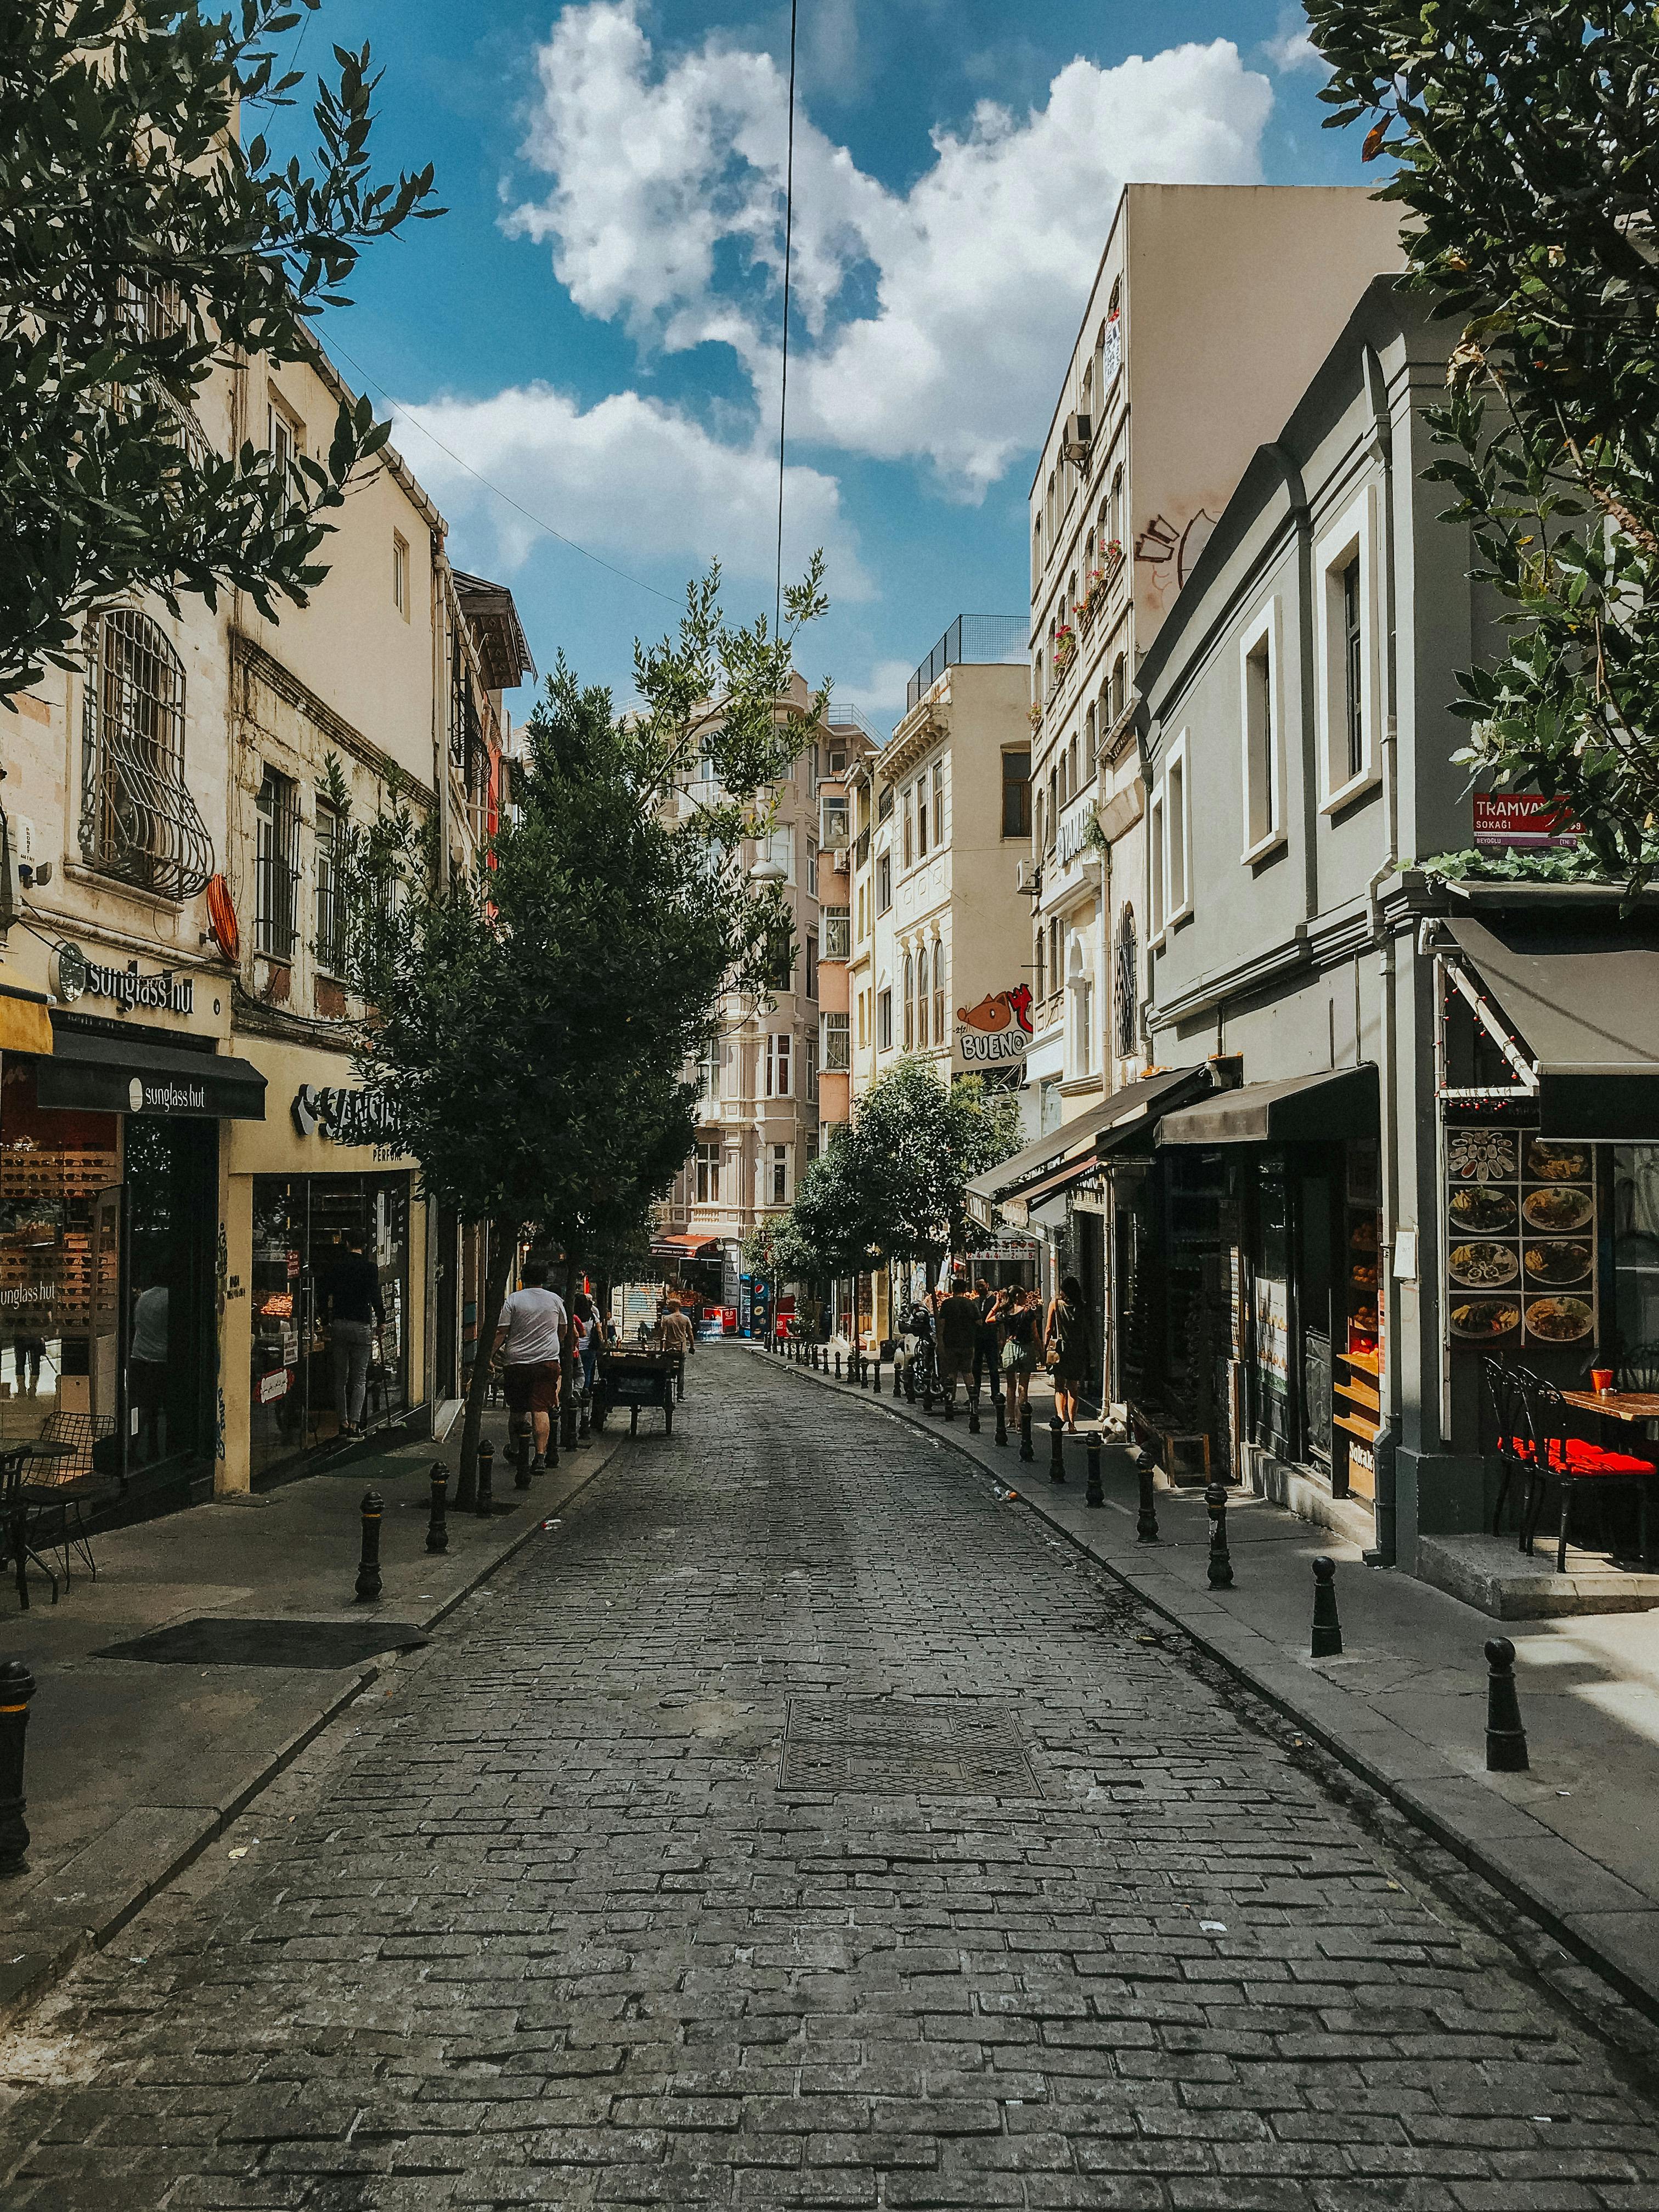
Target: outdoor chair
79 1486
1550 1454
31 1515
1504 1395
1638 1368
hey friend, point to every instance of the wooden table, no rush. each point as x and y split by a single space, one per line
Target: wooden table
1616 1405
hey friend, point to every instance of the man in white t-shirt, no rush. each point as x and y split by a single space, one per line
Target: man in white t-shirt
532 1337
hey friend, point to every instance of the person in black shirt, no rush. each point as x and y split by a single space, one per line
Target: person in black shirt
356 1312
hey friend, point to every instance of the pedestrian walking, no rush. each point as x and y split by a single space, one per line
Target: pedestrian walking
1020 1320
532 1337
984 1337
587 1334
356 1313
679 1338
956 1333
1067 1349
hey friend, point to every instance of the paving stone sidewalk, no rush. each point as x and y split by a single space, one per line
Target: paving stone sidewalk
136 1762
803 1827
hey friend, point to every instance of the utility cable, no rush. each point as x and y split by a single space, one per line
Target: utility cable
404 408
788 240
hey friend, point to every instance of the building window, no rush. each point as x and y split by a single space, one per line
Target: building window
779 1175
837 1053
922 998
1071 769
138 821
779 848
1055 940
1036 553
940 1033
884 880
708 1073
909 1002
1081 1023
832 823
330 889
400 575
864 912
777 1066
1089 741
1052 821
1120 692
921 817
864 1019
1347 621
938 804
709 1173
285 434
1042 964
1017 794
275 865
884 803
1127 984
1038 695
884 1021
1173 840
809 1049
811 963
1259 674
837 932
1039 846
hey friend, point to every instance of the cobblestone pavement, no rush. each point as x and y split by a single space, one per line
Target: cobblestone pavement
798 1825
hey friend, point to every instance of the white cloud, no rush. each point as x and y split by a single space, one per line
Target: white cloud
934 321
1293 48
628 478
881 695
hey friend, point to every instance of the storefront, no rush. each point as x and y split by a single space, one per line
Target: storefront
317 1184
109 1211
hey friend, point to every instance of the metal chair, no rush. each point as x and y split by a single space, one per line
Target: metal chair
1505 1394
1553 1454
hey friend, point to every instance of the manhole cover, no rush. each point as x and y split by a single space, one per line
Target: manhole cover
318 1645
891 1747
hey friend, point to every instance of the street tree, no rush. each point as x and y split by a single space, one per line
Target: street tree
919 1144
144 247
533 1021
1526 135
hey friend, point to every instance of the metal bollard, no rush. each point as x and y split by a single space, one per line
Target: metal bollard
368 1567
437 1527
1026 1449
1146 1519
16 1688
1094 1495
1506 1740
484 1503
1001 1405
1221 1564
875 1376
838 1367
1056 1449
898 1387
1327 1624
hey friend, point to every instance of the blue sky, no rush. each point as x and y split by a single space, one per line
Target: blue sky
593 326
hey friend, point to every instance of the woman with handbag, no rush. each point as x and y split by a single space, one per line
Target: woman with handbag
1066 1349
1019 1348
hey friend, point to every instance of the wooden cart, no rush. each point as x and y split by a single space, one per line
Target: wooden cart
633 1375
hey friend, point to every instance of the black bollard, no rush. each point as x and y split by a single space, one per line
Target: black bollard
1001 1405
838 1367
1146 1519
484 1504
1327 1625
437 1527
1221 1564
1506 1740
1094 1495
368 1567
1056 1449
1026 1451
16 1688
875 1376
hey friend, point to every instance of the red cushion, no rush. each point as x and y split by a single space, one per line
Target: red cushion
1583 1459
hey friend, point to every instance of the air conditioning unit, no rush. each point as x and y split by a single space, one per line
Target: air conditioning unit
1028 878
840 858
1076 437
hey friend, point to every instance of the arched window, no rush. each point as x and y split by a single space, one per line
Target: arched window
1089 741
941 1034
922 998
1126 988
1120 688
1037 816
1117 525
1071 760
138 821
1036 688
1041 964
1064 781
1036 553
909 1002
1053 515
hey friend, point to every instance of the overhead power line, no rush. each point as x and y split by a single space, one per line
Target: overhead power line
788 240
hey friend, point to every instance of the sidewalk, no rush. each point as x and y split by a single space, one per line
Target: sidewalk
134 1761
1575 1841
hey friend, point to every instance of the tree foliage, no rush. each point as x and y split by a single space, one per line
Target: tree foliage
1528 135
144 246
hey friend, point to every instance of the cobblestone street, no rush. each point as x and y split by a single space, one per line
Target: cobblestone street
799 1824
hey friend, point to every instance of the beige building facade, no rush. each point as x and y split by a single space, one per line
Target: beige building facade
186 1147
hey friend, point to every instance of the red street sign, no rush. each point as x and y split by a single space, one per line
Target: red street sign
1506 823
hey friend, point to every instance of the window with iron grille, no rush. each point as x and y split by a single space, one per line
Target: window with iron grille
275 865
1128 986
837 1044
837 932
138 821
330 889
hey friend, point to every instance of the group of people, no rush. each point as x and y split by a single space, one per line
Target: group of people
1006 1332
535 1337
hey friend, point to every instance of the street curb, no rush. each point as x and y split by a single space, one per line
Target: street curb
40 1969
1573 1873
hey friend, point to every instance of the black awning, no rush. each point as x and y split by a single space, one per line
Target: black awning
1302 1109
1078 1143
137 1074
1582 992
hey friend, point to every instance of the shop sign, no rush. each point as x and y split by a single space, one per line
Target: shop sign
166 1095
343 1117
74 977
1077 832
275 1385
1505 824
997 1030
1089 1196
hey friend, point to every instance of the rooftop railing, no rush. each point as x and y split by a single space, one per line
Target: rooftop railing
970 638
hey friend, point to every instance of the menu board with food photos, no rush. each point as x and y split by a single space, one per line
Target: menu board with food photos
1520 1239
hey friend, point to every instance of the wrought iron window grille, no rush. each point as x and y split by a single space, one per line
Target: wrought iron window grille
138 822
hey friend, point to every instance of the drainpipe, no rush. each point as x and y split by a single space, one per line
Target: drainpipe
1385 1554
1297 493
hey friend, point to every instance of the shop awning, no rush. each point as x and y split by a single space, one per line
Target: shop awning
25 1024
681 1247
1302 1109
1077 1145
1020 1210
1582 994
137 1074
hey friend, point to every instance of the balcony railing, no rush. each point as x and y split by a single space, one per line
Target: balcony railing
971 639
